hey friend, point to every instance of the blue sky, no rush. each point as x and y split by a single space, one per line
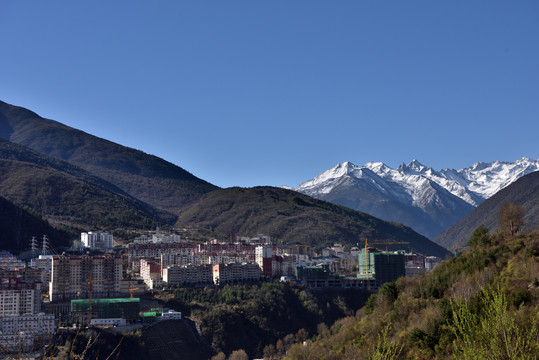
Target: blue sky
253 93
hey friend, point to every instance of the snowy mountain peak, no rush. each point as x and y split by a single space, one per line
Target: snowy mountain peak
378 167
415 168
415 191
416 165
472 184
340 170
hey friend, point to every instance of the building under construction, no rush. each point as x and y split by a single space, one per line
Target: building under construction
124 308
84 276
381 266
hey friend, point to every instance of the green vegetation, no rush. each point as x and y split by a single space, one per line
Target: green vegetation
481 304
98 344
253 316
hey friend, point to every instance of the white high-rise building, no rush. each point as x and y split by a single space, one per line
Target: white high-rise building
96 240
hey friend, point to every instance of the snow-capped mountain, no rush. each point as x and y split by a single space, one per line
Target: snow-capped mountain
416 195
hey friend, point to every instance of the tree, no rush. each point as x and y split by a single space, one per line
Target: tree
511 219
269 351
220 356
480 237
238 355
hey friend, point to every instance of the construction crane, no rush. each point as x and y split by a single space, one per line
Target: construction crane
90 285
132 290
367 266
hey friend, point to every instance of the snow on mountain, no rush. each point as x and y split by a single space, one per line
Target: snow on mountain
486 179
415 191
473 184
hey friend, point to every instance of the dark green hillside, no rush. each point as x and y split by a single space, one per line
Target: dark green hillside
252 316
481 304
19 226
146 177
523 192
70 202
289 216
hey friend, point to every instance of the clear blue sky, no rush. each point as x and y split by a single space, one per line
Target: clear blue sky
274 92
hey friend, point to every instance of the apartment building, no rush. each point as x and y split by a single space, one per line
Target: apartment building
187 274
19 297
72 276
23 331
150 272
36 324
97 240
149 249
264 259
44 264
225 273
9 261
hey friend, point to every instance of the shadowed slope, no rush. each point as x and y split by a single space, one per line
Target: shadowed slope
523 192
146 177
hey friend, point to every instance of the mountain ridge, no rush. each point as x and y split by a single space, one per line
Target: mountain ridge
146 177
79 181
289 216
523 192
416 195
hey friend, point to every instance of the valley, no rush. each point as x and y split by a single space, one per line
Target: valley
314 281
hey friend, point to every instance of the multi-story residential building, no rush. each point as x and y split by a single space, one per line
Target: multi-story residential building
97 240
157 237
264 259
9 262
154 250
187 274
44 264
285 265
73 276
25 273
246 251
36 324
23 331
19 297
150 271
225 273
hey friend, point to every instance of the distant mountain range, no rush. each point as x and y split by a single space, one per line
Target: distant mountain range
416 195
76 182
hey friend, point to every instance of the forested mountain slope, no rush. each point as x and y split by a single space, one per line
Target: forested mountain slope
481 304
289 216
68 197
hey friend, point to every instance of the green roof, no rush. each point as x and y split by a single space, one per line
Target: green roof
96 301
